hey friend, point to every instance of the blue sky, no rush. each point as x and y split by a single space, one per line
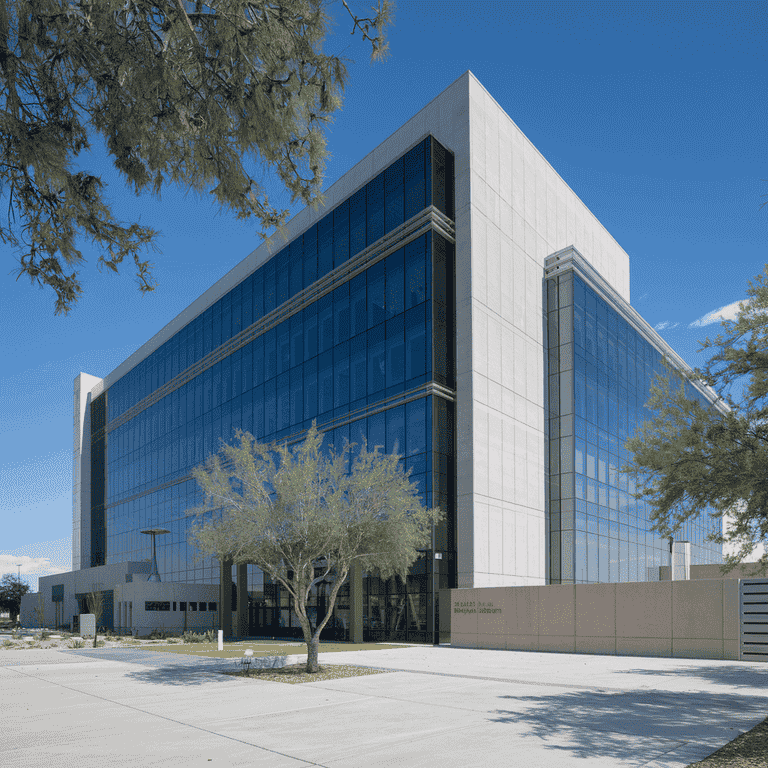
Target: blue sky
653 113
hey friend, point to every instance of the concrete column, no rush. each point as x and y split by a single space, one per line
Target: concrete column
225 597
242 600
356 602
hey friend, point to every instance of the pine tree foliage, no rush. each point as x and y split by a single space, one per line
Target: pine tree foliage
187 93
303 515
689 458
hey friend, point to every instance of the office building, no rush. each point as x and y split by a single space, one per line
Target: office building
454 300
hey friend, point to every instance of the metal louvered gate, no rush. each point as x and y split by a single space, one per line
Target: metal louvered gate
753 615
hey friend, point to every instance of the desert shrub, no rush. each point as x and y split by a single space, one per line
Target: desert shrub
161 634
206 637
77 643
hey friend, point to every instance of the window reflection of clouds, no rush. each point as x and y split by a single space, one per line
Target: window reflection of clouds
613 370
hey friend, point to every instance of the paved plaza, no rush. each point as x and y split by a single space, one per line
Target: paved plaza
443 706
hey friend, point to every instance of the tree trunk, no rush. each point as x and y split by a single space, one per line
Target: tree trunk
312 647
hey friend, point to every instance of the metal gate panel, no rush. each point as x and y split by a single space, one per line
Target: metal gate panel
753 619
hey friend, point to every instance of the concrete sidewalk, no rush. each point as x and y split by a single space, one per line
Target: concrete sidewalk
438 707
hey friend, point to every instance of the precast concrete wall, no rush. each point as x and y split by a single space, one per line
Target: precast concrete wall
684 619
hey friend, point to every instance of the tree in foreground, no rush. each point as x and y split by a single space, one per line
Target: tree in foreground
690 458
95 602
189 93
40 611
12 589
304 516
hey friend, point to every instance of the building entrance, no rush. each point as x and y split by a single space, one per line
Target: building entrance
267 621
262 620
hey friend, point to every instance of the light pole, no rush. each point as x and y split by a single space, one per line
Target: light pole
155 575
435 556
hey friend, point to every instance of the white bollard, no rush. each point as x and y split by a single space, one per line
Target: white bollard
221 639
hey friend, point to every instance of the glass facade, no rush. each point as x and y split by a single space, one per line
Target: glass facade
600 374
324 330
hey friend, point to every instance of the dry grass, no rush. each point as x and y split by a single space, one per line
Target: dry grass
750 750
296 673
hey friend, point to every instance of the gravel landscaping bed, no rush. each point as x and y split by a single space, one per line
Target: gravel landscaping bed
749 750
296 673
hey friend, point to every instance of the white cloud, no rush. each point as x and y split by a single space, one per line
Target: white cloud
665 326
42 559
728 312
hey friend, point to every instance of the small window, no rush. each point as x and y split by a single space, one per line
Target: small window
193 606
202 606
211 606
154 605
183 606
174 605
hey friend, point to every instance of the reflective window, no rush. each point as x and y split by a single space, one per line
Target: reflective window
341 232
613 369
368 340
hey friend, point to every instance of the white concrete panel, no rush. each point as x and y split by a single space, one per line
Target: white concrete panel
529 181
494 348
495 465
521 409
495 539
477 137
521 545
508 541
541 201
492 147
493 269
508 402
494 395
534 416
480 341
506 272
481 538
508 469
480 389
521 479
507 358
518 345
535 549
479 254
505 163
480 449
494 209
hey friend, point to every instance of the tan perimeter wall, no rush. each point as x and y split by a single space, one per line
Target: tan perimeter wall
686 619
741 571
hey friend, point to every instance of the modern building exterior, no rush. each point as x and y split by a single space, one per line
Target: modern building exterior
454 301
130 603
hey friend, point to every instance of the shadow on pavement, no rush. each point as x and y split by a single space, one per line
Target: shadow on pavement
168 668
746 675
607 724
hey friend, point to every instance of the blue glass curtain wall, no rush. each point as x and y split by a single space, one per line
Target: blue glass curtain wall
420 178
600 374
368 340
98 481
